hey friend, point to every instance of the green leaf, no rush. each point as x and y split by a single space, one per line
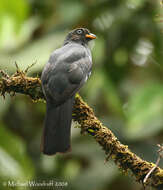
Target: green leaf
111 95
75 10
12 20
17 9
145 112
14 161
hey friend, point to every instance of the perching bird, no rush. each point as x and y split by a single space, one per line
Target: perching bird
67 70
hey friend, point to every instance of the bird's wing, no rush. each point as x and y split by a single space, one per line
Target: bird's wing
66 78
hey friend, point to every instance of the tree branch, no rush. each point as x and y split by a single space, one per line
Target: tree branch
84 115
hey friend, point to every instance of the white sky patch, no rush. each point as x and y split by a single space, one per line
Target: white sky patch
104 21
142 52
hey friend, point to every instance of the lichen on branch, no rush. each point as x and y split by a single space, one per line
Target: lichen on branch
19 82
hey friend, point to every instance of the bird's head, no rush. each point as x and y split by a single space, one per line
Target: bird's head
80 35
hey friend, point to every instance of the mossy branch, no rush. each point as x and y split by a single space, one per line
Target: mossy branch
19 82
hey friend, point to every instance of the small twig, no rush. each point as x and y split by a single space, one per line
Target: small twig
107 157
18 71
26 70
17 67
160 151
4 74
156 164
149 173
143 185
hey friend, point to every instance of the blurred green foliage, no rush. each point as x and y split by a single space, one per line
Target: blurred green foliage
125 89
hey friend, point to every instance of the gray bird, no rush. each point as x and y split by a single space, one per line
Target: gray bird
67 70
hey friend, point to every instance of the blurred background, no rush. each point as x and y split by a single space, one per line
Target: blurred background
125 89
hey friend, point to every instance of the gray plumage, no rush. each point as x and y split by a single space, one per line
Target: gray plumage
65 73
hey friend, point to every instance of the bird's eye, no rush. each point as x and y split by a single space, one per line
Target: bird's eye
79 31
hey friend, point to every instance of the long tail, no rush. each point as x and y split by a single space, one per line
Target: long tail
57 129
